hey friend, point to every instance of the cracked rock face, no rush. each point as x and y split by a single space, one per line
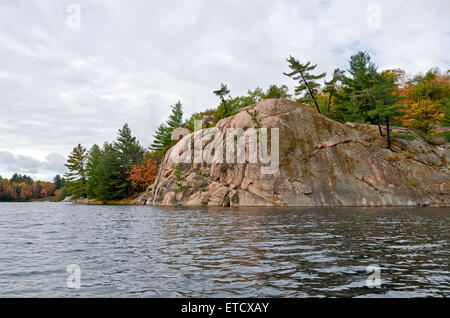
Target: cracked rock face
321 163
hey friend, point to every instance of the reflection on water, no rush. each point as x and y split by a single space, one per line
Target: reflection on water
126 251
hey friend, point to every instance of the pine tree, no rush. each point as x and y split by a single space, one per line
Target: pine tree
93 172
330 86
355 99
222 92
163 135
130 153
58 181
308 85
110 170
76 177
386 105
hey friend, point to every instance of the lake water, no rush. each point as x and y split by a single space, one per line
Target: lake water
130 251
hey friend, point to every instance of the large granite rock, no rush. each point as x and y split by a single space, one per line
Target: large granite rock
321 163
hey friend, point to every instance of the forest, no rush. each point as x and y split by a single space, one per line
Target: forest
21 188
361 93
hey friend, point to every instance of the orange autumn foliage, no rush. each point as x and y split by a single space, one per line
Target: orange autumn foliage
143 175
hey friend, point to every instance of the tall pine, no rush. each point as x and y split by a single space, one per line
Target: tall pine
129 153
355 100
308 85
76 177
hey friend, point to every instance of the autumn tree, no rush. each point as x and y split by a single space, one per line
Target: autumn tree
308 82
142 175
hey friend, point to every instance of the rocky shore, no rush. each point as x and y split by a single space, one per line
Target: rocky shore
321 163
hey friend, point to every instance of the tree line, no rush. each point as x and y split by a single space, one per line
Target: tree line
361 93
21 188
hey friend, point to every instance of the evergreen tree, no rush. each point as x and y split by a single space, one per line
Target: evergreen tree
58 181
330 86
386 105
93 172
277 92
176 117
355 99
76 177
222 92
163 135
129 153
308 85
110 175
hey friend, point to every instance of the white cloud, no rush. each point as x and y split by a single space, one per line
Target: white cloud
129 63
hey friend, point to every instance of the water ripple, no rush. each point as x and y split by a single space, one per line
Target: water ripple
126 251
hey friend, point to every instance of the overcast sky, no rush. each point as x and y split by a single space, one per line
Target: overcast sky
128 61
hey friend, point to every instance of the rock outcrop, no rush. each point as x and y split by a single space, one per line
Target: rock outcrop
321 163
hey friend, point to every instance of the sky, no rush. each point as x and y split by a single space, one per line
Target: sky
75 71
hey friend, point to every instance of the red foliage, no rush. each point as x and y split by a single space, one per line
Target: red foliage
143 175
43 193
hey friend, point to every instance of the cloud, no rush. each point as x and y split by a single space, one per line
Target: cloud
129 63
10 163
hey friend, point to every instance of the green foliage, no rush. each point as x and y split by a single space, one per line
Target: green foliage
254 116
59 182
76 177
414 183
222 92
355 99
61 193
330 87
308 86
207 118
445 121
446 135
386 102
105 168
18 178
234 104
162 138
179 181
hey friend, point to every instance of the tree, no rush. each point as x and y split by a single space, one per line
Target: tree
109 175
355 99
143 175
308 85
76 177
130 153
427 101
222 92
162 138
330 86
277 92
387 102
58 181
93 171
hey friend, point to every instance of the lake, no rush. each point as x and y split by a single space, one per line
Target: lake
142 251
